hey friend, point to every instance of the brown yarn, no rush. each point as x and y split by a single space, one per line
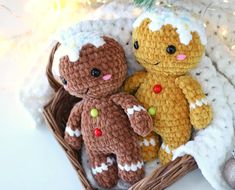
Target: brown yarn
161 177
106 129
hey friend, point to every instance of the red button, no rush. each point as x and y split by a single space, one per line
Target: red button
98 132
157 88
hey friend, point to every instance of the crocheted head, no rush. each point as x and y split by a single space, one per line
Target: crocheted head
94 69
168 40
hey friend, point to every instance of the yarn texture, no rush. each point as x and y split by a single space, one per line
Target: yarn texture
214 73
165 86
107 120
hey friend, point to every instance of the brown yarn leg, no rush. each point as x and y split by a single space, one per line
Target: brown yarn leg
127 160
106 177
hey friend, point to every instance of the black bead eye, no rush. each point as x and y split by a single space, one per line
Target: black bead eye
63 80
136 45
95 72
171 49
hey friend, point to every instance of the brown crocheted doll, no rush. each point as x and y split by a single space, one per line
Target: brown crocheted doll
168 43
107 120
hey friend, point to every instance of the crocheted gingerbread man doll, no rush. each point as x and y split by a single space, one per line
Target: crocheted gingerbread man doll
168 43
106 119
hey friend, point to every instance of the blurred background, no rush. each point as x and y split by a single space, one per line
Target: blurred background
25 28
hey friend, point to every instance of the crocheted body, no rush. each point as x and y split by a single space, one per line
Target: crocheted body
170 102
171 117
113 124
168 43
105 129
107 121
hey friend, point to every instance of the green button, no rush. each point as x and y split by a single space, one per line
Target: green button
152 111
94 112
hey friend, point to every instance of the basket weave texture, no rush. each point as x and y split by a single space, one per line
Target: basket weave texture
56 114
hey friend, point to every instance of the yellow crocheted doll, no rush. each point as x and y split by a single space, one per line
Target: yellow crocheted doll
168 43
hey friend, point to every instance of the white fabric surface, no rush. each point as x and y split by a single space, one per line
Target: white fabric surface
211 146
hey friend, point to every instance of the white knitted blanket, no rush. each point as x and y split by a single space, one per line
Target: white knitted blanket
216 72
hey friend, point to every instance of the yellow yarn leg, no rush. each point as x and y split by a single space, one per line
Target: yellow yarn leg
164 155
150 146
173 137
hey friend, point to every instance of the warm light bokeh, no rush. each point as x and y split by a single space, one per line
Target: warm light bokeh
40 19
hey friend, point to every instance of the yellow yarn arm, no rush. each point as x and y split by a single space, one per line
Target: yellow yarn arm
200 110
133 82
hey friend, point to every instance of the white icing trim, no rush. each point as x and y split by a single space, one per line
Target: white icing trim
198 103
166 148
132 167
72 132
103 166
146 142
72 42
131 111
183 20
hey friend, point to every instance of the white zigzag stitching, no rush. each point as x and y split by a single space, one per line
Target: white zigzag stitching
150 142
198 103
166 148
132 167
131 111
103 166
72 132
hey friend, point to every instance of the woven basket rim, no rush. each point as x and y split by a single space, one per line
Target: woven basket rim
161 178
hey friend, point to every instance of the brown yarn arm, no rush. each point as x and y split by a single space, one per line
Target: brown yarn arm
139 118
133 82
73 128
200 110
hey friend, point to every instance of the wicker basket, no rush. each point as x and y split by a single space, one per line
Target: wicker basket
56 113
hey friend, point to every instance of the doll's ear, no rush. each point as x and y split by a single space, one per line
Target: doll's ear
196 40
58 61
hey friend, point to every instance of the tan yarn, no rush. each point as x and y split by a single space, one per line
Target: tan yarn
166 88
105 119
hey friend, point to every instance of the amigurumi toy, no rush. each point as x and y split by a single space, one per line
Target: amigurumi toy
168 43
107 120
